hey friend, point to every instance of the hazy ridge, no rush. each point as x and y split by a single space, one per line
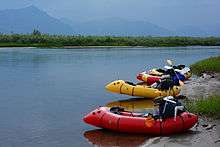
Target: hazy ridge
23 21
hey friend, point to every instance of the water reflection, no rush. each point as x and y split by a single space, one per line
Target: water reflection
103 137
134 104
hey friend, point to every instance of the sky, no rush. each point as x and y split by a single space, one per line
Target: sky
166 13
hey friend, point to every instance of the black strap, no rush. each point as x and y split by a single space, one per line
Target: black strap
132 93
161 131
118 123
121 88
101 119
182 123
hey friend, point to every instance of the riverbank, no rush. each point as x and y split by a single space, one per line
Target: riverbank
207 81
62 41
202 87
115 47
210 65
205 107
203 92
203 99
201 136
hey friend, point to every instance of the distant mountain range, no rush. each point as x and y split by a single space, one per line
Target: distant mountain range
119 27
27 19
189 30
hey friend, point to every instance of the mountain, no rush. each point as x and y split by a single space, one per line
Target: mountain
118 27
189 30
213 29
27 19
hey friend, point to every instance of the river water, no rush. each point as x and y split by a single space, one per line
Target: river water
46 92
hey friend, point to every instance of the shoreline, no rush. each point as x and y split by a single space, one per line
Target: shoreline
103 47
202 87
80 41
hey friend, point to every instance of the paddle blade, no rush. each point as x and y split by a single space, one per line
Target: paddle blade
169 62
181 83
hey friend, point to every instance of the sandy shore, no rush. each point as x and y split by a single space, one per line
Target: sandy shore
202 87
199 136
207 133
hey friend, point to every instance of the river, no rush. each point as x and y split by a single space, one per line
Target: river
46 92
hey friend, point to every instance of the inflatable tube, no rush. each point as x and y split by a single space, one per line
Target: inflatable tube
153 75
150 79
122 87
136 123
182 69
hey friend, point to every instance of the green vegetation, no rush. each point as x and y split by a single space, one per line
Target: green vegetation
208 107
208 65
36 39
205 106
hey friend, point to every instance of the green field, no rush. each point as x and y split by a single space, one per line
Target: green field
43 40
211 64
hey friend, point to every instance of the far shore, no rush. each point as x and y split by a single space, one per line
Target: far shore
75 47
103 47
203 97
79 41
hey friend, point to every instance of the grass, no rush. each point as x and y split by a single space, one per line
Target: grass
205 106
211 64
208 107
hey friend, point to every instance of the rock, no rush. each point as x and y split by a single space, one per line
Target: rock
205 125
206 76
209 127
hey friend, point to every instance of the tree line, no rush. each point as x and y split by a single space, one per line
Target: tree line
36 39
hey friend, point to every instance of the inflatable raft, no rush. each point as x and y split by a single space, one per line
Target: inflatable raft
182 69
150 79
129 122
154 75
122 87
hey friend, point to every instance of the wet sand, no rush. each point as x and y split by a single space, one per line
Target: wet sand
208 130
196 137
202 87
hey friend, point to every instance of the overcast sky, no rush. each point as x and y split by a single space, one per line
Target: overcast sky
166 13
